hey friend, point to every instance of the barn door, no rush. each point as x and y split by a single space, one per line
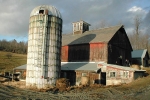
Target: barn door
103 78
121 57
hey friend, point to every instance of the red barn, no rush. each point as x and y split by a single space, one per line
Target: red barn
110 45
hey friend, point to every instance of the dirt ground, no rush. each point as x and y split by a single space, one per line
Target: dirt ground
10 91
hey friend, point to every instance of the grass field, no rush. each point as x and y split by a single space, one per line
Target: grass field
7 64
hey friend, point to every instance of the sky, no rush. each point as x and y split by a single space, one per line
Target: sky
15 14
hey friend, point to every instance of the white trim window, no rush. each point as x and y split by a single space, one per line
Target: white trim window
112 74
84 74
125 74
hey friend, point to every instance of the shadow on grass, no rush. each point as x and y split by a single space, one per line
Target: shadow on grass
10 87
146 74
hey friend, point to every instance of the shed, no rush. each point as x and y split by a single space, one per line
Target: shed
74 71
140 57
21 71
77 71
117 75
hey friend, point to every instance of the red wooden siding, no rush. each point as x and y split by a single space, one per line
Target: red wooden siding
98 52
84 52
64 53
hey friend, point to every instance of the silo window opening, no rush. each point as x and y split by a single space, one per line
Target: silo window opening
41 11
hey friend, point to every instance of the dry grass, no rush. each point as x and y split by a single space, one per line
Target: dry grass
147 70
7 64
138 83
136 90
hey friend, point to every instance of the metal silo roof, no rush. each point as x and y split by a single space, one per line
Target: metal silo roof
51 10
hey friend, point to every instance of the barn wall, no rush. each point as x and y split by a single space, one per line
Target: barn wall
145 60
77 77
91 76
137 61
22 73
98 52
114 53
64 53
121 76
78 52
145 63
138 74
119 46
84 52
71 75
140 62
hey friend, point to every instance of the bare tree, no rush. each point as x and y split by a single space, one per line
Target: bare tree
13 46
103 24
139 39
137 24
143 40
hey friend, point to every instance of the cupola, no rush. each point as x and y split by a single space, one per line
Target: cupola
80 27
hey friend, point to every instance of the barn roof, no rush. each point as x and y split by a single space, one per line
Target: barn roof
139 53
76 66
93 36
85 66
89 66
21 67
103 65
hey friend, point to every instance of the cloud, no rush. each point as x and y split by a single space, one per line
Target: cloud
135 9
14 14
13 18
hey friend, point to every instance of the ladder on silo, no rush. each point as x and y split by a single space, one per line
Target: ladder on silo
40 42
42 45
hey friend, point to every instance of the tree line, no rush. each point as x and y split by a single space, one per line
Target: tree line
139 39
13 46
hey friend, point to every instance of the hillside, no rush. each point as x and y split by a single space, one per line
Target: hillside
136 90
8 61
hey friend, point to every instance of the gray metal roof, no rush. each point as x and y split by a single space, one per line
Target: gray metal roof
101 35
76 66
51 10
21 67
139 53
89 66
121 67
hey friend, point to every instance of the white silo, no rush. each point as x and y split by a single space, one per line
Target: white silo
44 46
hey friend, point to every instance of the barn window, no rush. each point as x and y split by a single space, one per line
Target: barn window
84 74
112 74
126 74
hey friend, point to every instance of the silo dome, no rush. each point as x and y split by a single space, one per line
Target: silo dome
47 10
44 47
